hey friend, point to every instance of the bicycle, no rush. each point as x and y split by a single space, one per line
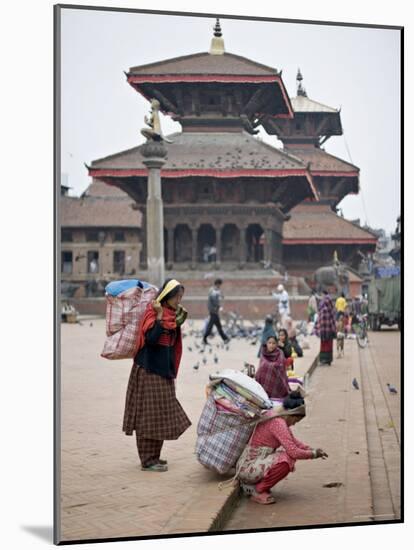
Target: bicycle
361 331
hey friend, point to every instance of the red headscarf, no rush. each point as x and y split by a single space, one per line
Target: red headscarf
168 322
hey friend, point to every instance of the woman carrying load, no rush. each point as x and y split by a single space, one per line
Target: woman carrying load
151 407
273 450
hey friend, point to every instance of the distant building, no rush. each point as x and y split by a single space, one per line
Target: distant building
100 238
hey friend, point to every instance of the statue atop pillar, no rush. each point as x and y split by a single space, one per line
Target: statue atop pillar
154 132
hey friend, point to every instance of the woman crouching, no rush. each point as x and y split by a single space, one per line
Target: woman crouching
151 407
273 450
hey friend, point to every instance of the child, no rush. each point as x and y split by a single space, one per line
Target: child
340 334
271 373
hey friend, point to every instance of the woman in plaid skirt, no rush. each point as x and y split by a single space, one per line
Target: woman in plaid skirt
151 407
326 328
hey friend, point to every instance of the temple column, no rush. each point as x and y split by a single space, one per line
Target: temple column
218 246
154 158
243 247
268 246
194 232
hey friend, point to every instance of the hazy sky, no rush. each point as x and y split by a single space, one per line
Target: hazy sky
356 69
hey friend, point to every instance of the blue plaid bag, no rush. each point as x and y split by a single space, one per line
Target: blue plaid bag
221 438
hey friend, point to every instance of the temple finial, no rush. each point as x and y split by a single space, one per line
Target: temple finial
217 28
301 89
217 42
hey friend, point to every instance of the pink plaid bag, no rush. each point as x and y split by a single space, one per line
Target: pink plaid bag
123 315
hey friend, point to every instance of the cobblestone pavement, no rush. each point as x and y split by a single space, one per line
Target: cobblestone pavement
104 493
336 423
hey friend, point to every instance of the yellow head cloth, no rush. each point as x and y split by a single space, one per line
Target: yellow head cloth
168 288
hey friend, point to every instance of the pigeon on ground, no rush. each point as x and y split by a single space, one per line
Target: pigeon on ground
355 383
201 350
215 358
391 388
91 324
196 345
227 347
210 350
190 348
204 360
196 366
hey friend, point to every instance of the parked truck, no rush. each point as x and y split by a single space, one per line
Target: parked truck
384 302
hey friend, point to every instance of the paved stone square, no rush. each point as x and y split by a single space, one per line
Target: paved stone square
104 492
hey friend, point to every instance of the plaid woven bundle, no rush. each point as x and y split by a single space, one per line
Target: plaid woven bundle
123 315
220 451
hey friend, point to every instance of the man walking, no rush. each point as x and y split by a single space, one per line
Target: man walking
214 301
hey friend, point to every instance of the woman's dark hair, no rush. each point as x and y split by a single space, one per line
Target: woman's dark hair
172 292
272 336
293 400
218 282
285 333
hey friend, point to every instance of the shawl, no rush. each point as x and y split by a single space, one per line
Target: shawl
271 373
326 325
168 323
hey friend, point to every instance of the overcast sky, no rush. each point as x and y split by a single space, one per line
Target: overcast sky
357 69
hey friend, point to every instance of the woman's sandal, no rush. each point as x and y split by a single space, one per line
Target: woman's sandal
260 498
263 498
155 468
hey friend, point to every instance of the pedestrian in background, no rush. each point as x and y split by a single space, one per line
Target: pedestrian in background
151 407
340 305
282 297
214 302
326 328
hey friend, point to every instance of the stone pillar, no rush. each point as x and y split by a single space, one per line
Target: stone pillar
218 246
193 247
268 246
243 247
155 153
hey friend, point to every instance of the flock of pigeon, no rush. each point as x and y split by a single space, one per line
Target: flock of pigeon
391 388
251 335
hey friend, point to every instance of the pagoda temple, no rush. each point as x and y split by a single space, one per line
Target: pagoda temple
226 193
315 231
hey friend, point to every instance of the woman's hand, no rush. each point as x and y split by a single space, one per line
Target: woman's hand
321 454
158 309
